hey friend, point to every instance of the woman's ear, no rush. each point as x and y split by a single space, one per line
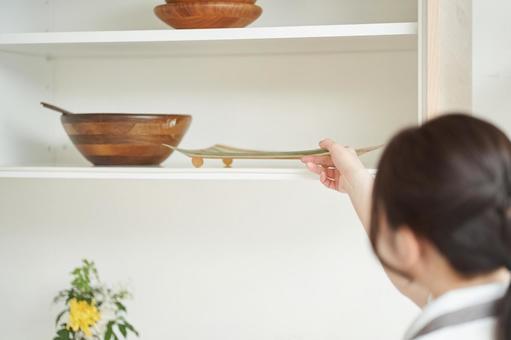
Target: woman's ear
407 247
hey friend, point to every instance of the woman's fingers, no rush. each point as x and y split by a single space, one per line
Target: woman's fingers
321 160
317 164
344 157
315 168
318 169
333 169
327 143
336 150
332 173
327 181
328 176
325 168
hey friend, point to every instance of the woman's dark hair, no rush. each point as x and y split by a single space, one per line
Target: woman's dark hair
449 181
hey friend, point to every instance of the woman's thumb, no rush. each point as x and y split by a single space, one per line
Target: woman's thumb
327 144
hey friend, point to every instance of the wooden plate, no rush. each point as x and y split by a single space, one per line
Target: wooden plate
229 153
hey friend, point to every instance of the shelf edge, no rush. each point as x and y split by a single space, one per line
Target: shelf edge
255 33
154 173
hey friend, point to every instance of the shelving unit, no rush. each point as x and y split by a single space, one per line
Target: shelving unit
258 251
65 57
270 41
368 68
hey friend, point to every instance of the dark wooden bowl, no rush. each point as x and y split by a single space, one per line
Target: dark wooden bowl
208 14
125 139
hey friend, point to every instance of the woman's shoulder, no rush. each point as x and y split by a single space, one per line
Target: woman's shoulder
483 329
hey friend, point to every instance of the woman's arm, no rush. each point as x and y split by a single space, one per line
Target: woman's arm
343 171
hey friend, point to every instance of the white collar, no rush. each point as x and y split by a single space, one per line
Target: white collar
455 300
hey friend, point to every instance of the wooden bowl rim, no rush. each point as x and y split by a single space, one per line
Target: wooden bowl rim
211 1
237 1
127 115
219 4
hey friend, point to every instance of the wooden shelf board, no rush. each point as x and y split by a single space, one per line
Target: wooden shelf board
286 39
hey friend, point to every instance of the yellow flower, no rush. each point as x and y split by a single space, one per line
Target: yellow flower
82 315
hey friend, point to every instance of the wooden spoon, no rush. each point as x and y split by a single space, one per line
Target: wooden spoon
56 108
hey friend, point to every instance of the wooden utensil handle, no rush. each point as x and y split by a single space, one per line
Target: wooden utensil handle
56 108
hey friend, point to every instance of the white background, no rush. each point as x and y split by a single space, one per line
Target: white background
492 61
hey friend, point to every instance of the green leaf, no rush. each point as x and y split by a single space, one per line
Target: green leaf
59 317
131 328
63 334
123 330
121 306
84 276
109 331
70 295
108 334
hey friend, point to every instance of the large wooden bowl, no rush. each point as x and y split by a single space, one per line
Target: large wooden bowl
125 139
208 14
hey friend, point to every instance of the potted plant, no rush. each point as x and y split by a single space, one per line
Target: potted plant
93 311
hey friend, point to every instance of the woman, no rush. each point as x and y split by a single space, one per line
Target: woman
438 216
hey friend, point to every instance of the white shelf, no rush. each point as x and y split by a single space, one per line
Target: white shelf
158 173
290 39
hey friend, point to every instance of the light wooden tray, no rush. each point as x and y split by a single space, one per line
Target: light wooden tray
228 153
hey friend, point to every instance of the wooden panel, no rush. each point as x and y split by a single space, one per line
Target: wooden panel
446 52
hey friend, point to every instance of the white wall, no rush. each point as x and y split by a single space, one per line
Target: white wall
24 80
259 99
492 61
203 260
60 15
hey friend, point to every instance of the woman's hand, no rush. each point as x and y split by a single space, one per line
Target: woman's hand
343 171
340 169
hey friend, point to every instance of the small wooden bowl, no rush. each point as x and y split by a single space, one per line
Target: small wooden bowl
208 14
188 1
125 139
